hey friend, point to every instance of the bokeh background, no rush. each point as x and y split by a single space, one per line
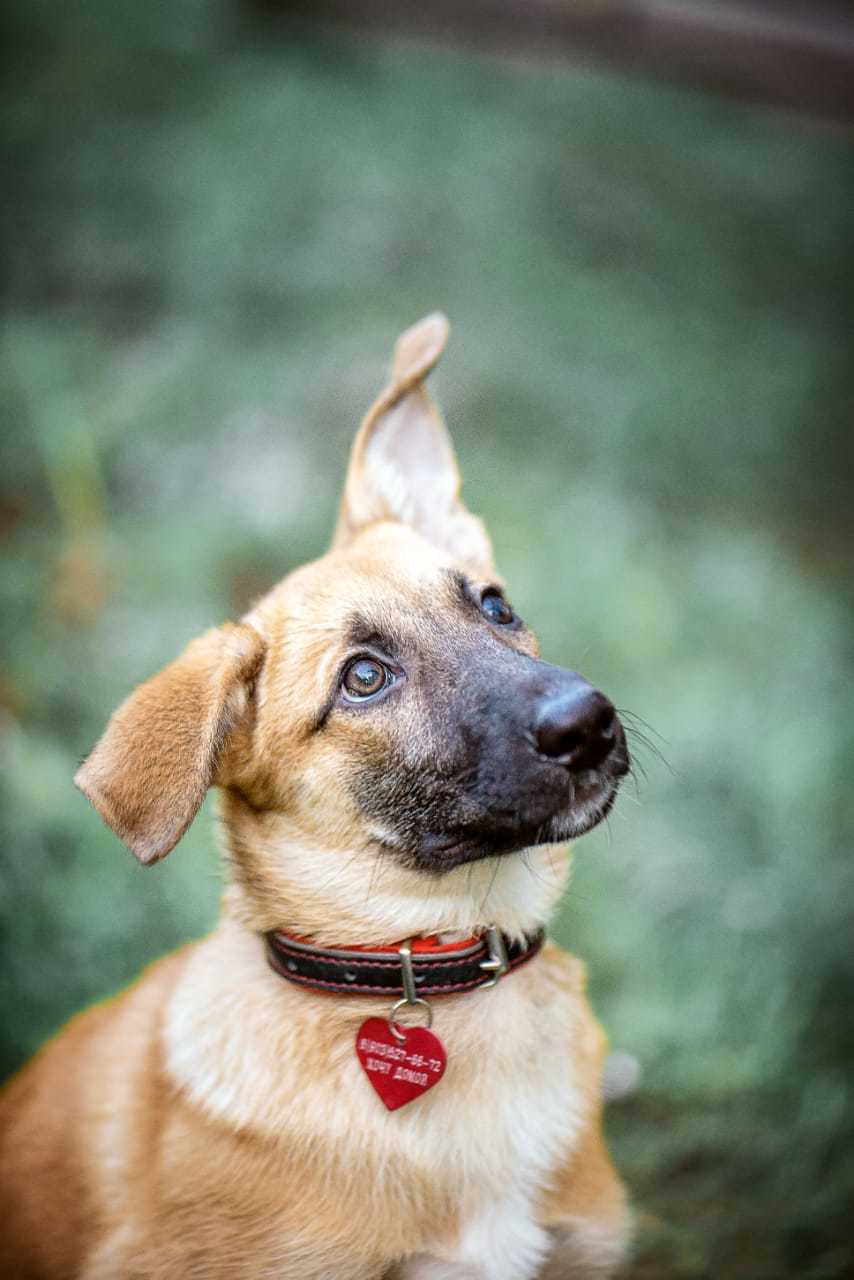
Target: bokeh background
217 219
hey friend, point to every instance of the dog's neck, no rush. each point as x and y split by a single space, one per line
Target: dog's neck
344 896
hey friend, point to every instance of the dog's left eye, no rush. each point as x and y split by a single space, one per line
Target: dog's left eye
364 678
495 607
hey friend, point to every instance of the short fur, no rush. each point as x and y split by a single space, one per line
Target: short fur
212 1122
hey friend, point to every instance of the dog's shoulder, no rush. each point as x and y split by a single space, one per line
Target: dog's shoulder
85 1101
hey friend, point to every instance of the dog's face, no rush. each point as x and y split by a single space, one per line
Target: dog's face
419 701
386 697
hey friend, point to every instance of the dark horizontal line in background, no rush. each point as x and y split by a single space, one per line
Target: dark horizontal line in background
797 55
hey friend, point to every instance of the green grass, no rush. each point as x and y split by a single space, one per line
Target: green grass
215 234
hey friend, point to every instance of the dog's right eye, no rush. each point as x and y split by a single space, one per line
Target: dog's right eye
495 607
364 678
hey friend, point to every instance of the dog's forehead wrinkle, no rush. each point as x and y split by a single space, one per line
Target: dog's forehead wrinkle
405 619
389 582
374 632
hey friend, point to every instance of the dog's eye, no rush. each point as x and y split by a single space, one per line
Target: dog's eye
365 677
495 607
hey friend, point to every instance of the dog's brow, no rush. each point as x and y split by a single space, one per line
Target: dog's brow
461 583
360 630
463 587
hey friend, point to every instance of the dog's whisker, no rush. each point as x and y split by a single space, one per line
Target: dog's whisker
469 874
631 721
637 770
550 856
624 714
525 862
374 870
488 893
636 738
532 870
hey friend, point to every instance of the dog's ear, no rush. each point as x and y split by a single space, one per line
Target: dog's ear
148 774
402 466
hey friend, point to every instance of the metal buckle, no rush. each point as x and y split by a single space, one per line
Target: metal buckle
497 963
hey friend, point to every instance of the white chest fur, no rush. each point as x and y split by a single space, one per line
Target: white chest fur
500 1241
456 1173
512 1138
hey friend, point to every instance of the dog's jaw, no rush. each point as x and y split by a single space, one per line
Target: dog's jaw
437 853
365 895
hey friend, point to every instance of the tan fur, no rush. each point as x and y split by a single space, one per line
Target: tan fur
212 1122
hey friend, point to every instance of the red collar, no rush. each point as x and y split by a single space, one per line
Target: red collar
438 968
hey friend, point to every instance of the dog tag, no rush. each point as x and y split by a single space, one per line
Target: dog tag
399 1070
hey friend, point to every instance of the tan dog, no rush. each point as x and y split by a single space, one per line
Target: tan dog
394 762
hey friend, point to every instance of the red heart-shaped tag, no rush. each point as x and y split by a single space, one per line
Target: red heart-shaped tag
399 1070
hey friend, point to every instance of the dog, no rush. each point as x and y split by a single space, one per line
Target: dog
374 1068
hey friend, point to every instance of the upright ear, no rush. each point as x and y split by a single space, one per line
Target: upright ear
402 466
162 749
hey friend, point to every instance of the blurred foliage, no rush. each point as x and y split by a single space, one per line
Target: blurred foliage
215 228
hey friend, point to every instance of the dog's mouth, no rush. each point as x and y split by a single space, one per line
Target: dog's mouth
591 800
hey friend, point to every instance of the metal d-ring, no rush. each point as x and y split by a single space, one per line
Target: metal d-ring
410 995
394 1027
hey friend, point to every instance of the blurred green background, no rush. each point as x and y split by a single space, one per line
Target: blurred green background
215 228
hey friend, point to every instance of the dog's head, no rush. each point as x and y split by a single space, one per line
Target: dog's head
383 701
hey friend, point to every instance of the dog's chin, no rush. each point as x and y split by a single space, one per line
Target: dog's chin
438 852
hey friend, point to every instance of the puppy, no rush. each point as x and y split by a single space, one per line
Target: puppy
372 1069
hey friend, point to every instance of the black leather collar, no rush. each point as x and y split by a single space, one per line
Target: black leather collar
380 973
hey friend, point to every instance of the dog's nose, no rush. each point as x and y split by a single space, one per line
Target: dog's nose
576 727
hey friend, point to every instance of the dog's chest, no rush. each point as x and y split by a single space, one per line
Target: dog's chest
490 1135
457 1175
506 1151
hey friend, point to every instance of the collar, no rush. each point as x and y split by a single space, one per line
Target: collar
436 968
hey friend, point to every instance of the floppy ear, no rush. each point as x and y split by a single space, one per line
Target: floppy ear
402 465
148 774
